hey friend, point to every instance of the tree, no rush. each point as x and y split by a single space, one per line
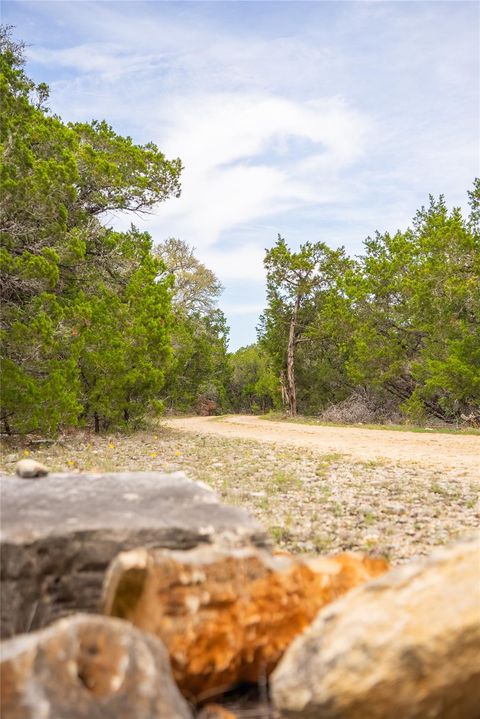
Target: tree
67 280
123 369
401 321
297 285
416 301
199 372
196 289
254 386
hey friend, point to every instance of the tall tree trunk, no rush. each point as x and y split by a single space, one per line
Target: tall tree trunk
291 389
96 420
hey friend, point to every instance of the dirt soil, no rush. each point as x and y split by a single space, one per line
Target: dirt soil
431 450
315 489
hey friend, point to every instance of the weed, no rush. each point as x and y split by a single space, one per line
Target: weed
322 543
372 464
437 488
336 509
325 493
284 482
369 518
279 534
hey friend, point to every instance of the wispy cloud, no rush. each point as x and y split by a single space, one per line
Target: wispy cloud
244 158
106 61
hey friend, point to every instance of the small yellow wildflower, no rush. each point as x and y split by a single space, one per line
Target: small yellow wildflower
26 452
153 455
111 445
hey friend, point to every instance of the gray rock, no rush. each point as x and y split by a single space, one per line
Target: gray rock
406 645
83 667
59 535
30 468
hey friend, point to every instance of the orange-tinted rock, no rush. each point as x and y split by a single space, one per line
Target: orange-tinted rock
227 616
83 667
215 711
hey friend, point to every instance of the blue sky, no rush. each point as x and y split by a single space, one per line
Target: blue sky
315 120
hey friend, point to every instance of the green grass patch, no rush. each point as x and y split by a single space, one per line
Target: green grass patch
284 481
279 417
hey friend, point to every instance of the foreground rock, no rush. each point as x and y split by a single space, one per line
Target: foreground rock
85 666
60 534
226 616
406 645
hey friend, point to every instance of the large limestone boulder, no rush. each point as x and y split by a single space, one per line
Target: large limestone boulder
406 645
60 534
227 616
88 666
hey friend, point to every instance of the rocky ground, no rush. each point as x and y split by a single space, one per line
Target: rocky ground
309 500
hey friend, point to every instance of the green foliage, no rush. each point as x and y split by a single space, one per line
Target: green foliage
97 328
123 370
85 310
401 321
254 385
304 286
415 297
199 371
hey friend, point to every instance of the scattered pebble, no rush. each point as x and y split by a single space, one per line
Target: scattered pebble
30 469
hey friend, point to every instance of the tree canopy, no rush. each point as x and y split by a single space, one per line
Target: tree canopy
199 373
400 321
86 310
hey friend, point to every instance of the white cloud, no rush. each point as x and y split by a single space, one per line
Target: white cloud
248 156
240 262
105 60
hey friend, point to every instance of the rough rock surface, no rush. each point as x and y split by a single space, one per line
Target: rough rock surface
227 616
405 645
59 535
216 711
30 469
86 666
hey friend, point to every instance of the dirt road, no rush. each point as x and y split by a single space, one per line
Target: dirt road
431 450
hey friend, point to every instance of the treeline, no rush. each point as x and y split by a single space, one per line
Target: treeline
98 328
397 328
